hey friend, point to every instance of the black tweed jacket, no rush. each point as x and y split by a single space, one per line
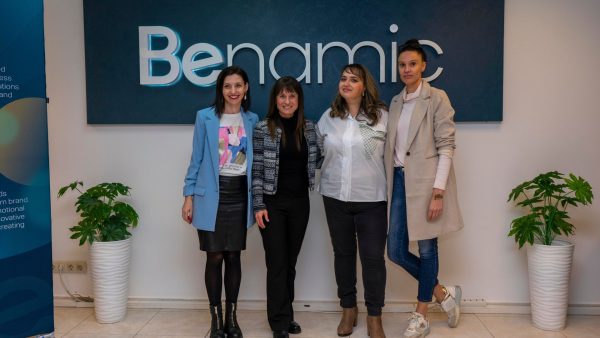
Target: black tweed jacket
265 164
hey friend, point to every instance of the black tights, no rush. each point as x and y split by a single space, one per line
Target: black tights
214 271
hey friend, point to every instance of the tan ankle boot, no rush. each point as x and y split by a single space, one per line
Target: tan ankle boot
375 327
348 321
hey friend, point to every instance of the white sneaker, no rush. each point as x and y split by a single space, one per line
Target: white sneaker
451 304
418 326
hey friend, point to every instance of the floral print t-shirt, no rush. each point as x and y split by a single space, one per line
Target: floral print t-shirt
233 145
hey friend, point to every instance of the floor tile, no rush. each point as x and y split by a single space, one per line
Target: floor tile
66 318
188 323
254 324
135 320
317 324
170 323
469 326
170 336
97 335
514 326
582 327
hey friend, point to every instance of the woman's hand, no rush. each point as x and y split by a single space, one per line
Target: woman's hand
262 218
436 204
187 209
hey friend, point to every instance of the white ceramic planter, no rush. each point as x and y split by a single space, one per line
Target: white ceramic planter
109 263
549 272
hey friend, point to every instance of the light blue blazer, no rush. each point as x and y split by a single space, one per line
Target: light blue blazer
202 178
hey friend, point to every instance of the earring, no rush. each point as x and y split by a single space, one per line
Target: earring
245 98
363 93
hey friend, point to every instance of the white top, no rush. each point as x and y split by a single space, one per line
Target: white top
353 169
233 145
444 162
408 106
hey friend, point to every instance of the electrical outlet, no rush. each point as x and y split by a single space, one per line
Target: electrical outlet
69 266
481 302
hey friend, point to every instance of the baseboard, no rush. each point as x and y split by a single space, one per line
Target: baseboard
468 306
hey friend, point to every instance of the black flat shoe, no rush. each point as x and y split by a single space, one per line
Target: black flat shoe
281 334
294 328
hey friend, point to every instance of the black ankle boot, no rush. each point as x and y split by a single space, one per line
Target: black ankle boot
281 334
232 329
216 323
294 328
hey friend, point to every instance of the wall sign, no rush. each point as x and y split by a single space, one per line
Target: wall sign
157 61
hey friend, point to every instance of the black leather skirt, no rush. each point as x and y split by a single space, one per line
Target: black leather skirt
230 226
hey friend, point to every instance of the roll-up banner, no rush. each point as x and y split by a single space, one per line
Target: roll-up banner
26 307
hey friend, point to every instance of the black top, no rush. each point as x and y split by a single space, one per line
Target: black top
292 180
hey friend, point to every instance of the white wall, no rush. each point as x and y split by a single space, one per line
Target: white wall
551 121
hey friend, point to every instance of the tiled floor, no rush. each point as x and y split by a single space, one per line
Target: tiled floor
155 323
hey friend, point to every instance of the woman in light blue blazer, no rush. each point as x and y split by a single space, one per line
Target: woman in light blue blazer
217 196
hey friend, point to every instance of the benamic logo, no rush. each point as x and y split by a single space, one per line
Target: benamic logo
189 65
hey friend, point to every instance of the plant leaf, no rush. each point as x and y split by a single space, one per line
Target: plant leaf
525 229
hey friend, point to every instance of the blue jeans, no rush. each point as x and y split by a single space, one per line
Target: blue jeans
423 268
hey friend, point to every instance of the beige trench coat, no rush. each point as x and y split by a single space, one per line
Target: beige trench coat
431 129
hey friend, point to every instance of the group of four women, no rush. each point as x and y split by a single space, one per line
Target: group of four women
378 168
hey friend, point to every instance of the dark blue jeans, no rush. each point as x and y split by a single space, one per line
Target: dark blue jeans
423 268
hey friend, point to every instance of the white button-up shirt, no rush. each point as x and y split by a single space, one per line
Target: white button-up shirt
353 169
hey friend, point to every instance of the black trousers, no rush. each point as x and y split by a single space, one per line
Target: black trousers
282 240
365 223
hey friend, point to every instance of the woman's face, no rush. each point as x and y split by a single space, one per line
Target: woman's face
287 103
234 89
351 87
410 67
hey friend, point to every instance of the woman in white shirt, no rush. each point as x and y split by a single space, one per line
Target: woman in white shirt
353 185
421 186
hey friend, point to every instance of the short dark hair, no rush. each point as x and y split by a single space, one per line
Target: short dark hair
219 103
413 45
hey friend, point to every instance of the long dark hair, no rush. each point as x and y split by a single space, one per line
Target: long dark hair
288 84
370 104
219 103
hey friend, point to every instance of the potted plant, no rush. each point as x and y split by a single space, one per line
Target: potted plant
546 198
105 223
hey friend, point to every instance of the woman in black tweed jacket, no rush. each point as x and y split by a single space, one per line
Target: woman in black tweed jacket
283 171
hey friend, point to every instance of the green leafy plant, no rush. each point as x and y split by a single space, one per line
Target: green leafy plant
547 197
103 218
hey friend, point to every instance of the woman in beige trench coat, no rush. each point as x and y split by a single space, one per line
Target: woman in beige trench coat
421 186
